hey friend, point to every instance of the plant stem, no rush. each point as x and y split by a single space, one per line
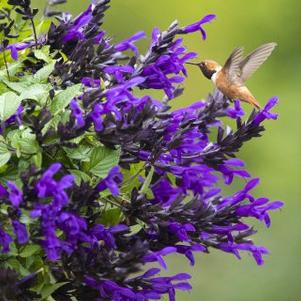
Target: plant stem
34 32
5 63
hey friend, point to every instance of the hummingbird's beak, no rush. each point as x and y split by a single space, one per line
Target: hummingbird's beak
190 63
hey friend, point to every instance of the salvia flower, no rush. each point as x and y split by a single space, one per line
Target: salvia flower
197 26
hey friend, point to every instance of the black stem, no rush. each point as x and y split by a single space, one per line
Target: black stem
34 32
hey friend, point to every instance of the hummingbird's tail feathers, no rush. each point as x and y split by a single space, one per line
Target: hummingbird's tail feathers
252 100
255 103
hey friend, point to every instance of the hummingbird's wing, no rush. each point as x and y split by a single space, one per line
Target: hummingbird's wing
254 60
232 66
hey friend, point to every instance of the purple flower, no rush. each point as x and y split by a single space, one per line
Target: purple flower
15 194
237 111
259 209
158 256
165 72
15 48
77 114
20 232
181 231
15 118
265 112
99 232
149 288
119 71
111 182
90 82
96 117
48 187
129 43
256 251
197 26
188 251
5 241
76 32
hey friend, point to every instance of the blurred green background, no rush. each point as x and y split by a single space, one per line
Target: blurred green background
274 158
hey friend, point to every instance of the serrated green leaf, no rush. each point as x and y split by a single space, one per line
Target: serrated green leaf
82 153
102 160
9 103
30 250
63 98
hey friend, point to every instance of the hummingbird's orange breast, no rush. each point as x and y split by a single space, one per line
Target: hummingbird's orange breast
234 90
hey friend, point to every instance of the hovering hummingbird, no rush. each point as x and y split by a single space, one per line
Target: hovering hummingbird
230 79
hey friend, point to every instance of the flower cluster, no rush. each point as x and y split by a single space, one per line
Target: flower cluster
103 181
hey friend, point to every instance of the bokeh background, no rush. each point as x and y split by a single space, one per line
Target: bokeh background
276 158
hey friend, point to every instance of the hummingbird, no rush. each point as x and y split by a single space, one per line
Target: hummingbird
230 79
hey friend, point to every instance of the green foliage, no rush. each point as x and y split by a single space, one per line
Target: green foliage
9 103
101 160
63 98
89 161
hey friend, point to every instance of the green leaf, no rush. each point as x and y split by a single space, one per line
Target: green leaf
9 103
145 187
43 54
37 160
63 98
37 92
111 217
24 141
5 154
80 176
102 160
49 289
131 177
82 153
13 68
17 266
30 250
43 74
18 87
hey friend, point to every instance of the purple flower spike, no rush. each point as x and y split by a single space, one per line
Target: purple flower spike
197 26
